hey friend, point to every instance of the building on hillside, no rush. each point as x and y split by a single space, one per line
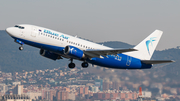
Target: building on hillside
115 96
116 85
99 84
16 83
15 98
61 95
94 89
106 85
83 90
49 94
86 90
146 94
34 95
18 90
65 95
71 96
5 89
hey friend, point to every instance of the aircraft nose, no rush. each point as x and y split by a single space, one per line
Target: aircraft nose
9 30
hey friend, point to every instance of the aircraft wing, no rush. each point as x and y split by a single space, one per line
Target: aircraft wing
156 61
98 53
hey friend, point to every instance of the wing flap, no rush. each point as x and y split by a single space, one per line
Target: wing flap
98 53
156 61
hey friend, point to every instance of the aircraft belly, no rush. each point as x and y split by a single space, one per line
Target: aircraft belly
113 62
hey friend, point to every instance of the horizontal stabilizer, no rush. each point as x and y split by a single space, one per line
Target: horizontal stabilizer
156 61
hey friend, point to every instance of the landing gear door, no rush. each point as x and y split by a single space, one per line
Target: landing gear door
34 31
128 63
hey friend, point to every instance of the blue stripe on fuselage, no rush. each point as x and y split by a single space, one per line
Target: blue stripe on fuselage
55 49
111 61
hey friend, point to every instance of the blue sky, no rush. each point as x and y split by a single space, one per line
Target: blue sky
128 21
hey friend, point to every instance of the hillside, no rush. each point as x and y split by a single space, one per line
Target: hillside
29 59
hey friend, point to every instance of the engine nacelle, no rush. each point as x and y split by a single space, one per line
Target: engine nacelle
49 55
74 52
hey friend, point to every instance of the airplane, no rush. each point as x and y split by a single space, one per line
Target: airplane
56 45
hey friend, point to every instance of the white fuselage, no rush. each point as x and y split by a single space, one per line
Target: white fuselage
50 37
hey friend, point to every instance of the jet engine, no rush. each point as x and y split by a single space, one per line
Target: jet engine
49 55
74 52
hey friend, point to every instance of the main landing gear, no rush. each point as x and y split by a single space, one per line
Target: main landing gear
84 65
72 65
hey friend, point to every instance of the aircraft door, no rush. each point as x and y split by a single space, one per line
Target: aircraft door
34 31
128 63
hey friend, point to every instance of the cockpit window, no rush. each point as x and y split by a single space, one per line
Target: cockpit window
16 26
20 27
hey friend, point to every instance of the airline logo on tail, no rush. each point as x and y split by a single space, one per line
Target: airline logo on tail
148 42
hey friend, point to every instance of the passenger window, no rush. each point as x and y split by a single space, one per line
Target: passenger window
55 37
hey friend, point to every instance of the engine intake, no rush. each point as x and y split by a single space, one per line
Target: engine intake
74 52
49 54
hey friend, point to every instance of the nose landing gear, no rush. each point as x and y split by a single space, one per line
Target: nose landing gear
19 42
21 48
